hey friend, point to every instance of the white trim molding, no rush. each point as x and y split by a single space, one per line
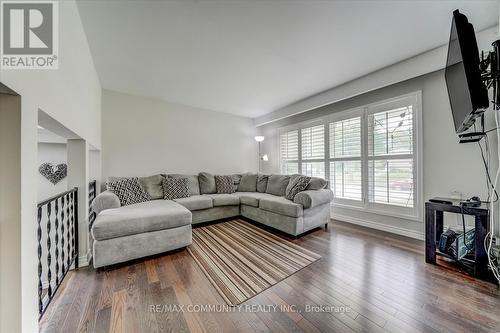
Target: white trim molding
379 226
84 259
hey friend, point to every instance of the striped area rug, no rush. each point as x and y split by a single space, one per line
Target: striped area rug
241 260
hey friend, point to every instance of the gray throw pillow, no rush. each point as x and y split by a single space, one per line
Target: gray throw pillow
277 184
248 183
224 184
152 185
297 184
175 188
317 183
262 182
207 183
128 190
193 183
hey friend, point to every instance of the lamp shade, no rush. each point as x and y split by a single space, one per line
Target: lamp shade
259 138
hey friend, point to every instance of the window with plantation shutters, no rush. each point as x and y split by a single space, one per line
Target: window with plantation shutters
370 155
289 152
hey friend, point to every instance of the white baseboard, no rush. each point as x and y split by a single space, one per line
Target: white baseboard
84 259
379 226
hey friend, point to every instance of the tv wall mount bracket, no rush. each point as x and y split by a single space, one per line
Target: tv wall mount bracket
490 74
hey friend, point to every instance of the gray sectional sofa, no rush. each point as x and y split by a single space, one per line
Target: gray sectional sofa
123 233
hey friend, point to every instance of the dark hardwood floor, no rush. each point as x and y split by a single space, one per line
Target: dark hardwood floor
382 279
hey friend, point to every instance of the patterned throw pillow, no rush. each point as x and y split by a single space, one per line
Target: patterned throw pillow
175 188
224 184
297 184
128 190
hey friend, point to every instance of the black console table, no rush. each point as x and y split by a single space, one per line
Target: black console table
434 229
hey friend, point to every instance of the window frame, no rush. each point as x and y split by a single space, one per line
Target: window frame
415 100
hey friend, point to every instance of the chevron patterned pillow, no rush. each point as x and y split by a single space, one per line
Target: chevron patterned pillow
175 188
128 190
296 185
224 184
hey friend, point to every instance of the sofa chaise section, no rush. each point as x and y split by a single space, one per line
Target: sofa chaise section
139 230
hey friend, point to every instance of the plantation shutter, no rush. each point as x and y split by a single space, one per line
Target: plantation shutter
345 159
313 151
289 152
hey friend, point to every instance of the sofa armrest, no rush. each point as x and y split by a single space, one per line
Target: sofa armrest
105 200
313 198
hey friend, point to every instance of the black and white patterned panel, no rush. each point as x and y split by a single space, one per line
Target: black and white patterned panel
175 188
224 184
128 190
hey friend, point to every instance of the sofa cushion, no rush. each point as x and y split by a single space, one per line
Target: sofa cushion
252 198
193 183
174 188
152 185
196 202
317 183
262 182
277 184
224 184
207 183
248 183
281 206
128 190
139 218
296 185
223 199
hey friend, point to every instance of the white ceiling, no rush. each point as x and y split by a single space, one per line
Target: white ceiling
252 57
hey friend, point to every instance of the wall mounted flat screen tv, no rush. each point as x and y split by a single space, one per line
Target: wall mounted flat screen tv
467 93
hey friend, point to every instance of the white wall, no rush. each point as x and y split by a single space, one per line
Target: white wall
54 153
447 165
418 65
10 219
95 167
72 96
144 136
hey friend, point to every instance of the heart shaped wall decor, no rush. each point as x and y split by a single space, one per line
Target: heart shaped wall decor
54 173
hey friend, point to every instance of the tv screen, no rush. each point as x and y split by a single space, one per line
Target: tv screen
466 91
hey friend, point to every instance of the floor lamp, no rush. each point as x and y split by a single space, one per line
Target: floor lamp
259 139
